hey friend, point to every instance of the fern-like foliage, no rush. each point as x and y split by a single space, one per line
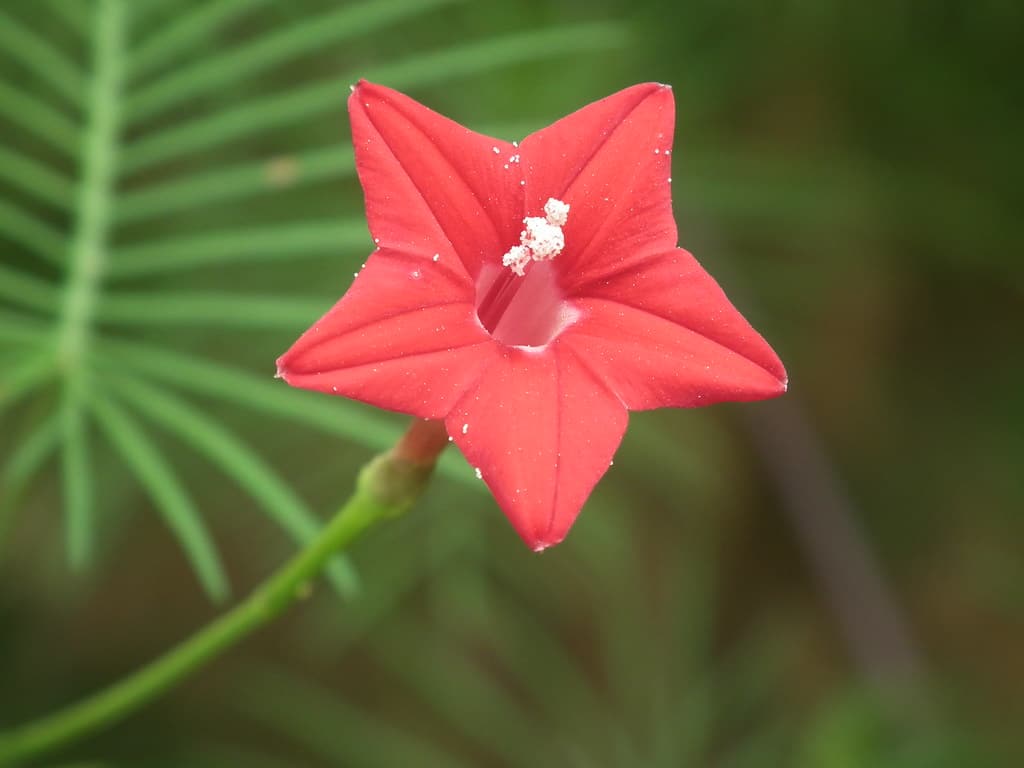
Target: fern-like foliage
146 156
509 678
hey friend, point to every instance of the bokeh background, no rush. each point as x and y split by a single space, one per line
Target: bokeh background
833 579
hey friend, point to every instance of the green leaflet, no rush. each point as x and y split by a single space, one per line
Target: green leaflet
141 455
96 229
237 460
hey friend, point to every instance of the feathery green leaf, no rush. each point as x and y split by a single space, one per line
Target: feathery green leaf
39 119
332 414
188 30
339 732
335 415
220 310
35 235
35 178
39 56
482 699
265 113
272 175
492 53
286 241
25 460
27 291
20 379
74 13
157 477
213 73
17 328
235 182
239 461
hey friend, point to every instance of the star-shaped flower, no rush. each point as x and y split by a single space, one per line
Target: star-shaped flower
529 295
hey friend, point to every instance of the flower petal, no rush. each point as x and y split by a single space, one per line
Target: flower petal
542 430
665 335
609 161
431 184
404 337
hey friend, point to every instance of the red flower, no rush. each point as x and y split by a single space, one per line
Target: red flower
529 295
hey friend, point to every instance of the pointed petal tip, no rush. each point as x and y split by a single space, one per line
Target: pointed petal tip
540 540
539 545
780 387
780 374
356 88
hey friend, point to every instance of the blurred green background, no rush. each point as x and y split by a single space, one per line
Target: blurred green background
834 579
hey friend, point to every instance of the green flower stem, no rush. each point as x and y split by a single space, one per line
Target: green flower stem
386 487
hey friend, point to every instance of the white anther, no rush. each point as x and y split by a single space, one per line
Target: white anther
544 240
556 211
541 240
516 259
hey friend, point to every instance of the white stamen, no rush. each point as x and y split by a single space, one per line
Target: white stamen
437 256
545 240
478 473
516 259
556 211
465 428
515 143
496 150
657 151
542 240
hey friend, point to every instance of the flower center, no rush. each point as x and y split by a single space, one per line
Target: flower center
521 307
542 239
